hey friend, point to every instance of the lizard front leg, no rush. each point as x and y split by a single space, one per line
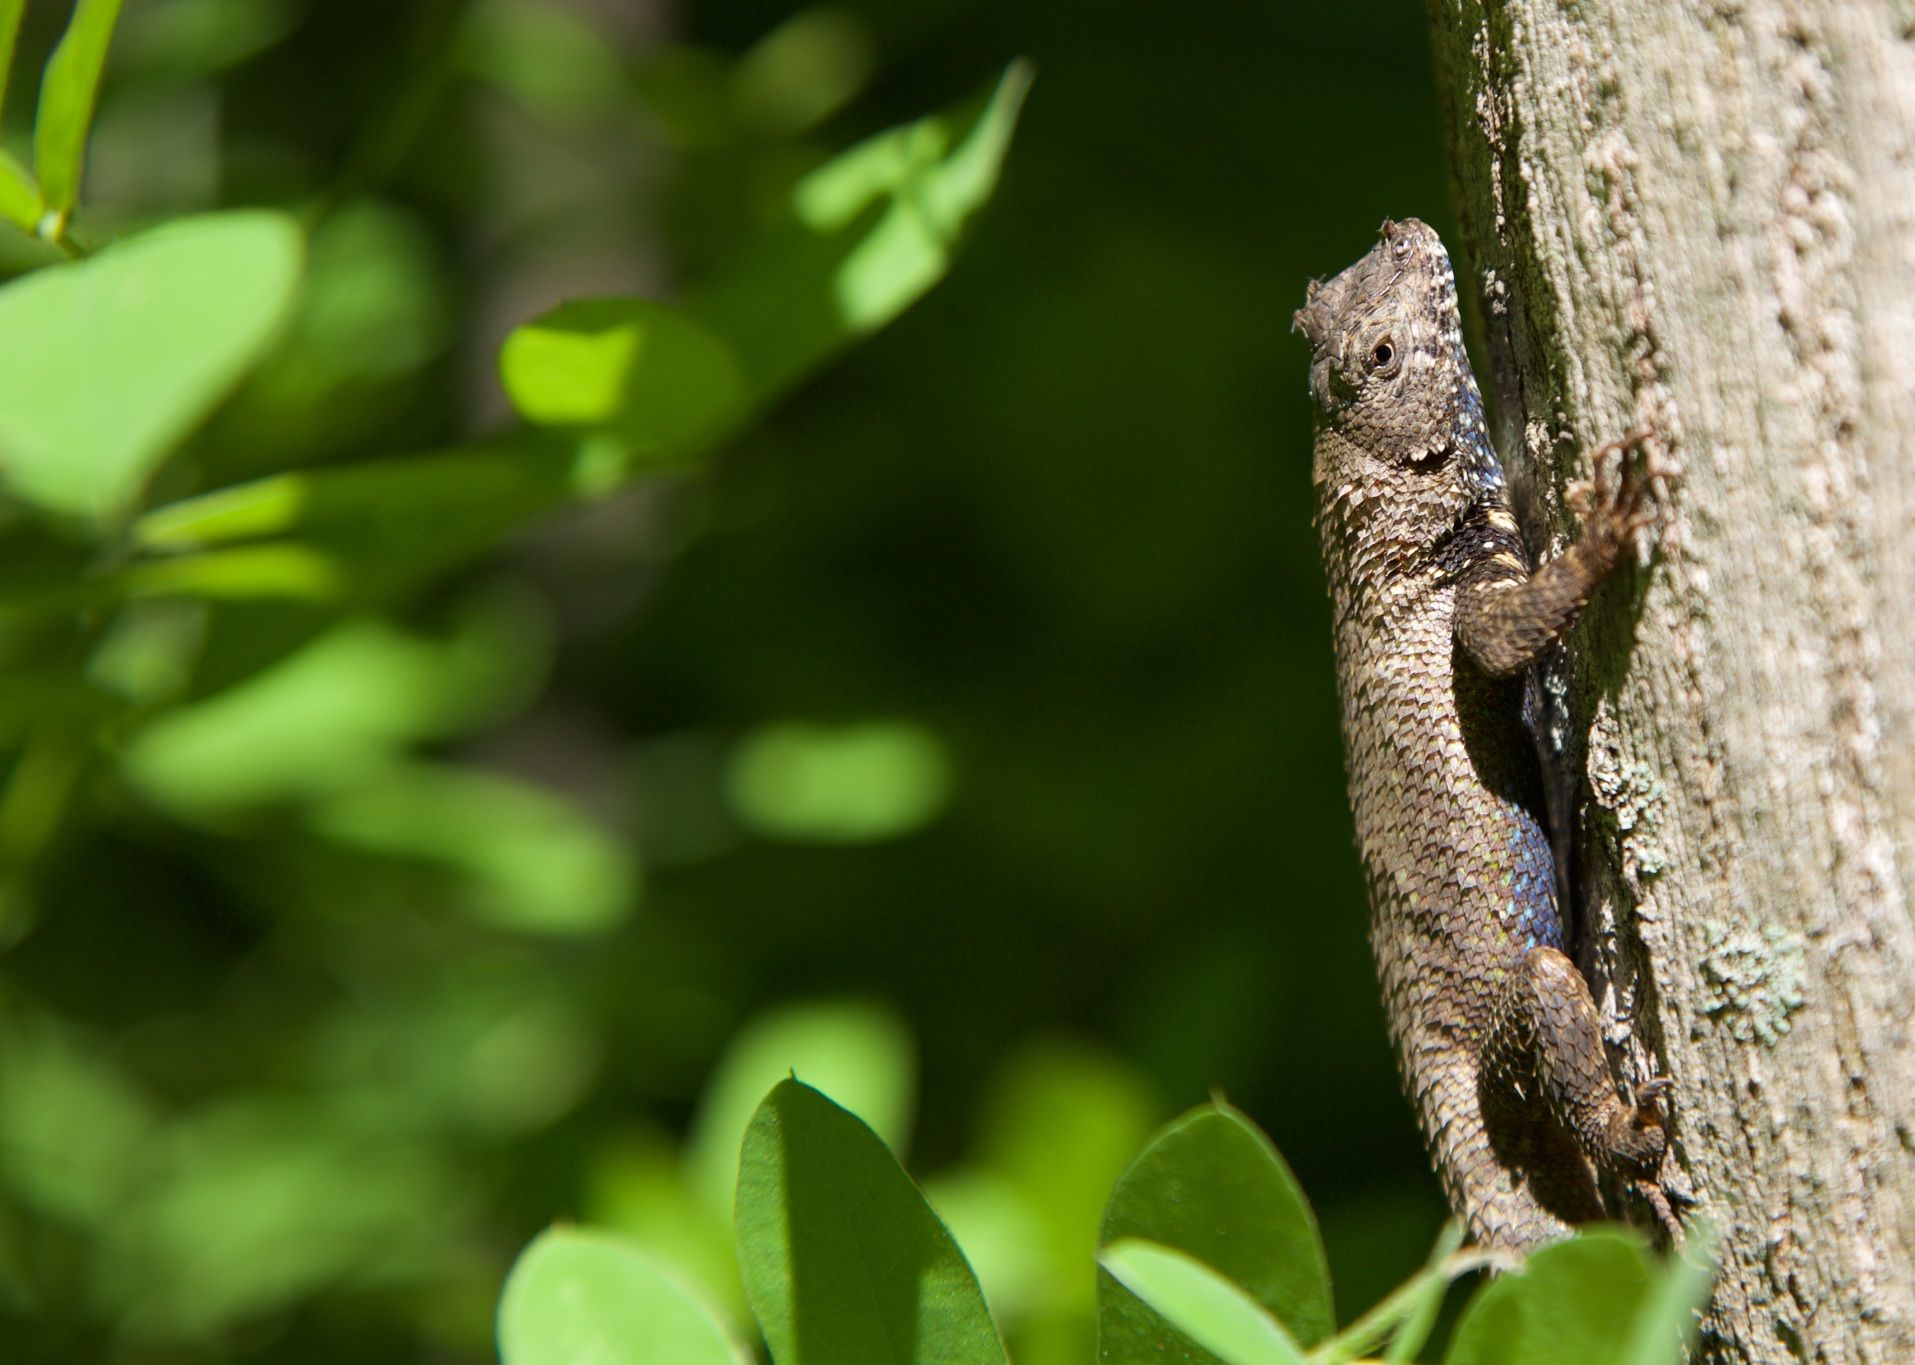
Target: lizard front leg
1507 616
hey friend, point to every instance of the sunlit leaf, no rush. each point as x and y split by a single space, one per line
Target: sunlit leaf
330 717
838 784
1202 1304
636 1185
20 201
118 357
283 570
1059 1123
583 1298
1574 1303
1211 1185
873 229
857 1053
1003 1236
67 92
660 379
842 1258
385 524
10 12
534 863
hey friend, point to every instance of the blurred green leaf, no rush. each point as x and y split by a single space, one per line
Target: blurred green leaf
838 784
73 1129
658 378
331 716
1006 1241
118 357
637 1186
372 313
1059 1122
371 529
1574 1303
1211 1185
187 40
858 1053
296 571
550 59
67 92
583 1298
10 12
871 232
803 71
1665 1325
535 863
254 1203
20 201
1204 1305
842 1258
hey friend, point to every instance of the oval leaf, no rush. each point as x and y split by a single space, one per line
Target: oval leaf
1200 1303
653 375
842 1258
856 1050
67 93
581 1298
1574 1303
117 358
1211 1185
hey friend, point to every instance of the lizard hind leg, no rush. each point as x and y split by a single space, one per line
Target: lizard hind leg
1545 1031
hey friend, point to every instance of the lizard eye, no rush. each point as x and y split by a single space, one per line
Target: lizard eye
1382 355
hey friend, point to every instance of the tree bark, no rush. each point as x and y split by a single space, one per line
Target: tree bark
1698 218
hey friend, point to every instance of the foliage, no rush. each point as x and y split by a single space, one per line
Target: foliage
845 1260
496 675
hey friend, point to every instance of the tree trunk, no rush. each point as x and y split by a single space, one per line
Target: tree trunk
1698 218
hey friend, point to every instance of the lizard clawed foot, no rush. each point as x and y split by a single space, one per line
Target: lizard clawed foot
1651 1091
1622 498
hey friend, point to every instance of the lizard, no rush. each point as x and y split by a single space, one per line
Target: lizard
1438 623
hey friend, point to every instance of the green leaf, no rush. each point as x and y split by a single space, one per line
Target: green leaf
1211 1185
583 1298
1574 1303
534 862
1203 1305
20 201
842 1258
1060 1122
855 1051
871 231
367 529
838 784
10 12
67 92
328 719
1666 1322
117 358
659 379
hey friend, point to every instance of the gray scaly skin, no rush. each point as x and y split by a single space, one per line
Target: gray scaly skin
1438 620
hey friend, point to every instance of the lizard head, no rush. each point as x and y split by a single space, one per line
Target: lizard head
1387 364
1399 421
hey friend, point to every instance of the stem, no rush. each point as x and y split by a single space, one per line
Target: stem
1410 1300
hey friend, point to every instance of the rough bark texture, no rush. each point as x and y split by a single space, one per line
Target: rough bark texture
1700 218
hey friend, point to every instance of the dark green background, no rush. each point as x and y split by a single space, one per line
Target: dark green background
1058 514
